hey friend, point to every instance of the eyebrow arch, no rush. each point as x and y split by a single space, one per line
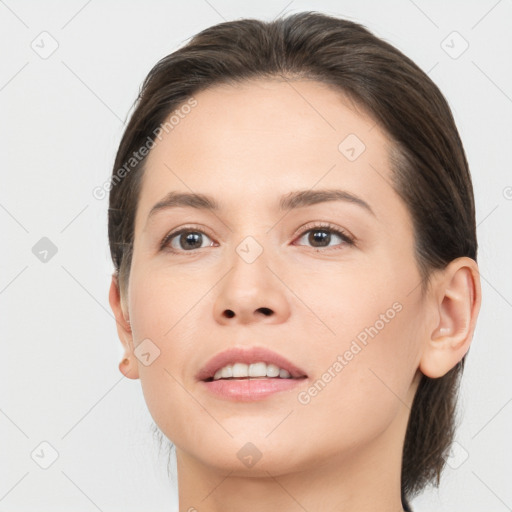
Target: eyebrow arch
293 200
303 198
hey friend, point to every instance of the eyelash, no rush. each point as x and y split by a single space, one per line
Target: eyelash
324 226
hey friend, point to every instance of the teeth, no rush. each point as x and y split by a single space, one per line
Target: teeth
226 372
241 370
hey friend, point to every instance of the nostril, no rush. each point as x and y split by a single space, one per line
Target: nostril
229 313
265 311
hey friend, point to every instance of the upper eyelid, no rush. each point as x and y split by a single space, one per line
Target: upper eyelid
300 232
324 225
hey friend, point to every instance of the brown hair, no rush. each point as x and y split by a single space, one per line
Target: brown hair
430 170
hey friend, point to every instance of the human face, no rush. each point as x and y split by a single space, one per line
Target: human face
247 147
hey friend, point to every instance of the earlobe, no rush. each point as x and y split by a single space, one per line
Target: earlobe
128 366
456 302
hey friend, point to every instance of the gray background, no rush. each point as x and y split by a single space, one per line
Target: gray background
62 115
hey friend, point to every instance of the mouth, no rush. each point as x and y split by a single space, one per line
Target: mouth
255 363
211 379
251 388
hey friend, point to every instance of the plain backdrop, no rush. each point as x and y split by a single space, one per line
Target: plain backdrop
69 74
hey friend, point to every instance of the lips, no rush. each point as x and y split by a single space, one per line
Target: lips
248 356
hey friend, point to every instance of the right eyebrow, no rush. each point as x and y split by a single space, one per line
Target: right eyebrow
185 199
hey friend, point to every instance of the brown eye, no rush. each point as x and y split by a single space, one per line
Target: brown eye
323 237
185 240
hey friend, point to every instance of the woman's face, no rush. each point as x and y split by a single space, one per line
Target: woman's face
250 274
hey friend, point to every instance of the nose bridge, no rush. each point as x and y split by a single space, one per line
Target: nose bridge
252 240
251 248
249 276
250 290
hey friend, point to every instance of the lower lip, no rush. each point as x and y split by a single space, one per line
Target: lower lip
249 390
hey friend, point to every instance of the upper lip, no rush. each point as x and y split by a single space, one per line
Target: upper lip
248 356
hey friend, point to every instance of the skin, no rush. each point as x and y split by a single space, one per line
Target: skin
247 145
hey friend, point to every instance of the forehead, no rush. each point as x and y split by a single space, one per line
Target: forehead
252 142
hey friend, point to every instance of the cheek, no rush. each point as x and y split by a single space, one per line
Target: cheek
161 313
161 302
358 388
365 362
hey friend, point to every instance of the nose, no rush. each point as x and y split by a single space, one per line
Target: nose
252 292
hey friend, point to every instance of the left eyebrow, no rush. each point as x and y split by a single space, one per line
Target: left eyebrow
291 201
303 198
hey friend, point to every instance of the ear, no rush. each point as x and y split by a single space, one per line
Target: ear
128 367
457 298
